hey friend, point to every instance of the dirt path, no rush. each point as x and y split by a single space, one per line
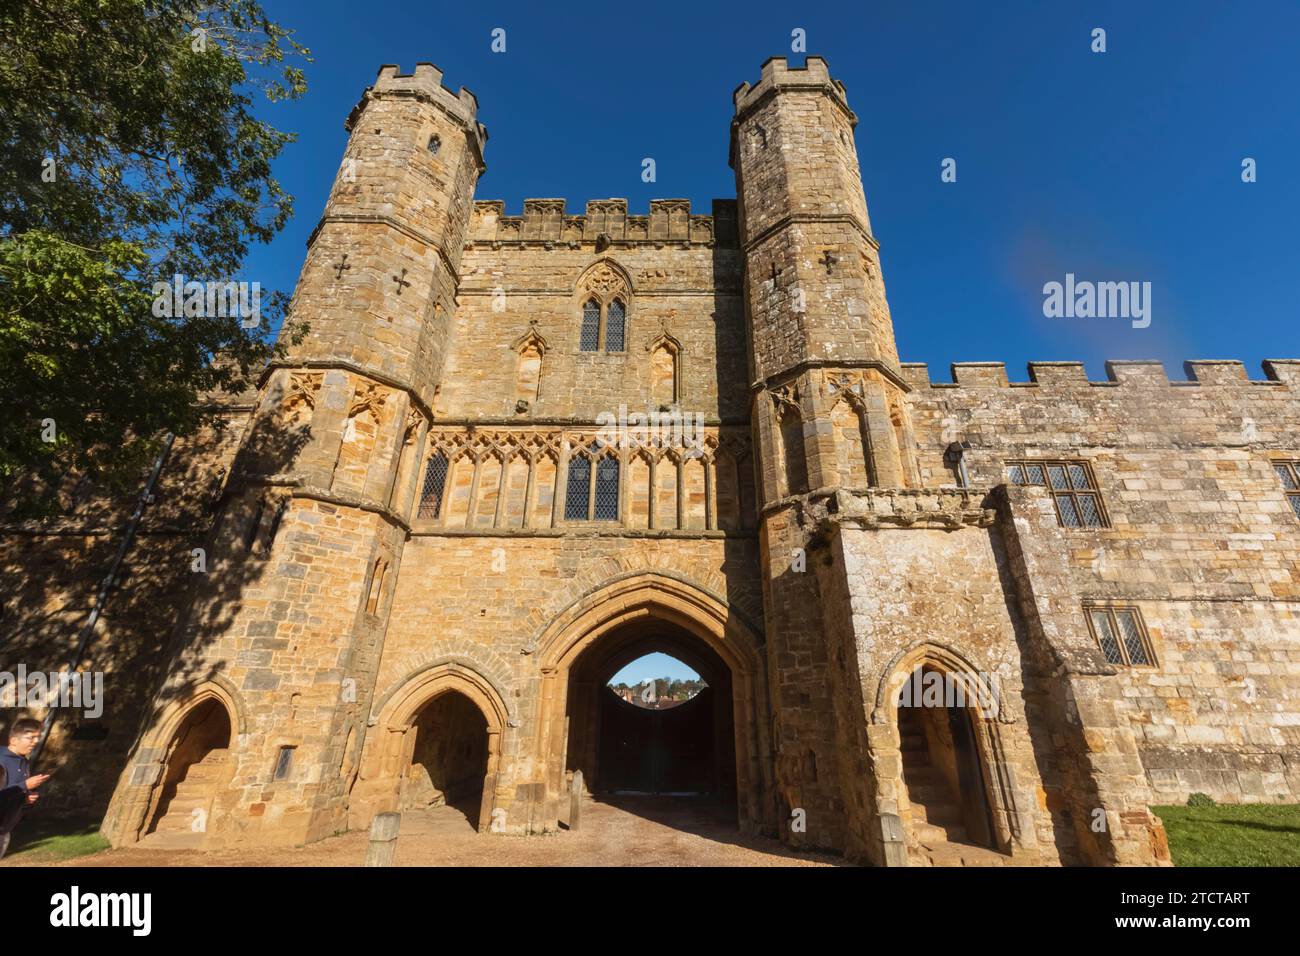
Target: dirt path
623 831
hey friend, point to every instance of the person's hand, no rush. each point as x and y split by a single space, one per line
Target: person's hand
33 797
36 781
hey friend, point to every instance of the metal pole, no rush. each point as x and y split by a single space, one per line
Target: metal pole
146 496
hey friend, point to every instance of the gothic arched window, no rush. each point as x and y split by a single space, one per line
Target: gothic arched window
589 340
604 291
614 326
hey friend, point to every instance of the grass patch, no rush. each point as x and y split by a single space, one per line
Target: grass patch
51 841
1251 834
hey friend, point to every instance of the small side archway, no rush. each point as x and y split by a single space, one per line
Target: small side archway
437 738
180 768
951 771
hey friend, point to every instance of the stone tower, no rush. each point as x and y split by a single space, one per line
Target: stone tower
318 503
819 322
827 394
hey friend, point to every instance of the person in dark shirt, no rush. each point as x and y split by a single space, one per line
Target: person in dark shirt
18 788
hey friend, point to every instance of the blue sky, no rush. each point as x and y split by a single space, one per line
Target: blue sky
653 666
1118 166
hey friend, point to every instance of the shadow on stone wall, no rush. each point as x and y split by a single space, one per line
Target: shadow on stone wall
158 616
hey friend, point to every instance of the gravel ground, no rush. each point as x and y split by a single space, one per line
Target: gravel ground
615 831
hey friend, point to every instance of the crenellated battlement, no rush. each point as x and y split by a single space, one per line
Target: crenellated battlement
426 85
1141 372
605 222
778 75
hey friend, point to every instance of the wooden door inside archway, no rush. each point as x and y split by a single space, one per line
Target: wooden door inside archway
619 746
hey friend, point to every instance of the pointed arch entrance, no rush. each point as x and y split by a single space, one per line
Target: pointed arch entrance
620 747
176 786
623 620
437 741
952 775
449 751
943 772
196 763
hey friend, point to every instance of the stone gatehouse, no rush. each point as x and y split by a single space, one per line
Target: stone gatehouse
516 452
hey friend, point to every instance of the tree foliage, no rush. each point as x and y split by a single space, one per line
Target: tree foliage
130 152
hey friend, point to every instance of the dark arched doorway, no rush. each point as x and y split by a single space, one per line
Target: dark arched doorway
943 770
621 748
449 757
196 767
656 729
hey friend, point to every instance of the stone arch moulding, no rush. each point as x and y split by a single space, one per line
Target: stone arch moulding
636 596
945 658
605 279
853 452
850 396
546 632
600 608
664 340
390 742
1013 824
532 338
426 677
133 800
169 716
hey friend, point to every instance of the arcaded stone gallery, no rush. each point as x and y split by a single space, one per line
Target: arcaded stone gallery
976 621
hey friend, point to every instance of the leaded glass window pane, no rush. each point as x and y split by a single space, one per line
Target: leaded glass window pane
435 480
575 498
1016 474
1295 504
1057 474
1106 637
614 327
1089 511
1284 472
1133 643
1069 515
607 489
1034 474
589 340
1078 476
